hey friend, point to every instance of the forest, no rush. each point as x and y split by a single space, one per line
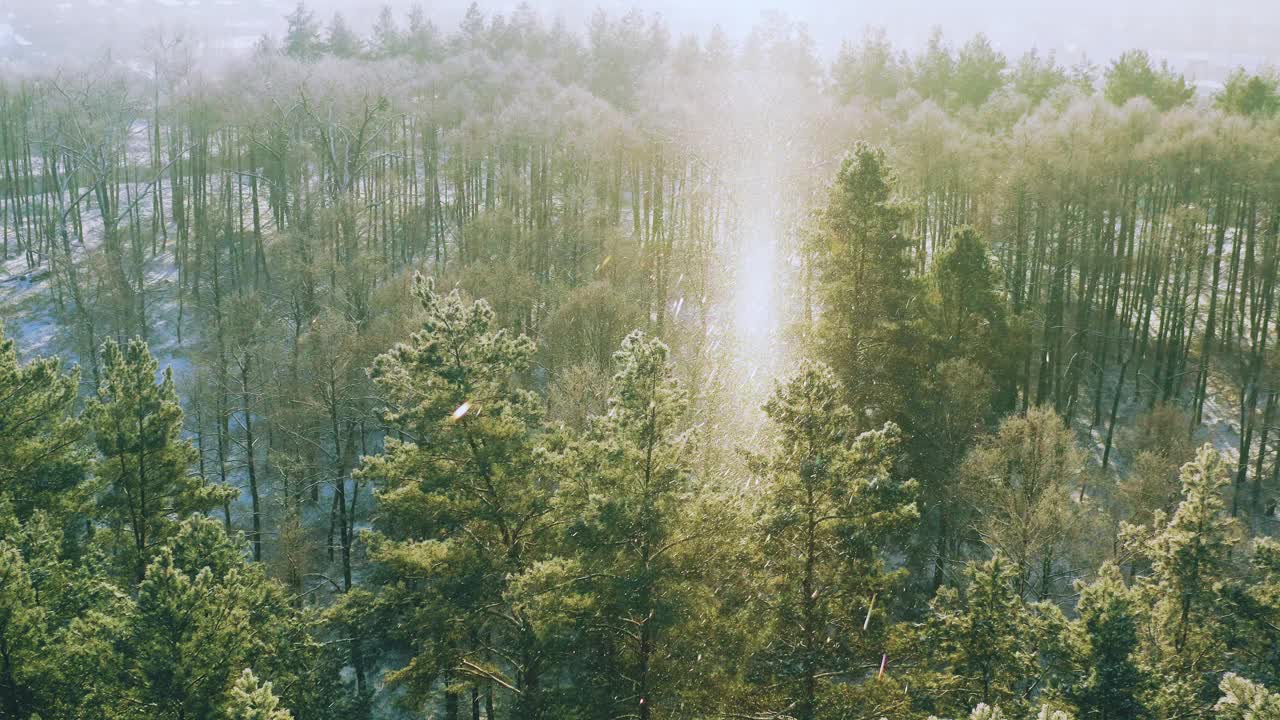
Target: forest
517 370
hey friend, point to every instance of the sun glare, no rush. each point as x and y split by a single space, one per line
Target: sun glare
754 313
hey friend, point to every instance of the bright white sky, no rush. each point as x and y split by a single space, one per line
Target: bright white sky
1199 36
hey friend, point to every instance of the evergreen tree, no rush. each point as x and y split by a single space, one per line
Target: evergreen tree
934 70
629 565
42 461
203 614
302 38
1245 700
1254 95
865 285
464 503
1184 641
967 313
949 416
472 27
979 71
1255 636
1132 75
633 526
1106 644
342 41
1036 77
387 40
989 642
869 70
60 621
23 638
144 463
834 507
423 38
1160 447
251 700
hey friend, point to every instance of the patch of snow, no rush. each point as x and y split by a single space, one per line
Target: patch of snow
34 334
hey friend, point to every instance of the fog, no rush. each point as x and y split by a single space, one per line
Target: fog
1203 39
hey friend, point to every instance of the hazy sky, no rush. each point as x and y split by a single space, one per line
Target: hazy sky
1199 36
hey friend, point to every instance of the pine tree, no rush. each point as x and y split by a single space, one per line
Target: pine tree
968 314
1036 77
23 638
202 615
42 461
423 38
302 39
834 508
1106 639
988 641
865 285
868 71
1132 75
251 700
1160 447
633 526
1190 572
1255 95
60 621
950 415
342 41
979 71
144 462
934 69
1245 700
464 503
1255 636
387 41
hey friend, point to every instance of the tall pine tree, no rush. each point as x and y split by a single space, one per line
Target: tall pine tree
144 463
865 286
463 504
834 506
42 462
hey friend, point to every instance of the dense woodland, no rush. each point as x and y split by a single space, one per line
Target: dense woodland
535 372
